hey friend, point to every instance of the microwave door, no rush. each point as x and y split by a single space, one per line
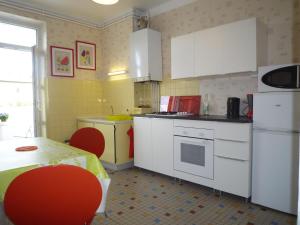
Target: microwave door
286 78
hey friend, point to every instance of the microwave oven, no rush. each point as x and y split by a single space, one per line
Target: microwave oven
279 78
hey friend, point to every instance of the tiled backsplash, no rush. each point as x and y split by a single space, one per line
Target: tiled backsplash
219 89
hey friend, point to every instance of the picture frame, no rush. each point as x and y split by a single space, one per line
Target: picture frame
85 55
62 61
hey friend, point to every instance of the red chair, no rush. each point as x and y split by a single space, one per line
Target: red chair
89 139
53 195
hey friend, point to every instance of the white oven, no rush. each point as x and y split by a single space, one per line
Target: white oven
194 151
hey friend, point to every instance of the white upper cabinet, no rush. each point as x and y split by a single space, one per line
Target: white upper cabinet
145 55
231 48
208 52
182 56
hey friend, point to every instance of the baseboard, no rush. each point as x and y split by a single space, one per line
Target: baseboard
112 166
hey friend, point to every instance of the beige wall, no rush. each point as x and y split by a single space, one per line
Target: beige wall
118 91
67 98
277 15
296 31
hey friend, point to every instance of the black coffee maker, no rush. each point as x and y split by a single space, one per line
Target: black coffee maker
233 108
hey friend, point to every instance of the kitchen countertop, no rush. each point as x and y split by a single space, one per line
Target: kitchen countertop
218 118
102 119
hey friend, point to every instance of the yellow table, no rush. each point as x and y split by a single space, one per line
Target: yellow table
13 163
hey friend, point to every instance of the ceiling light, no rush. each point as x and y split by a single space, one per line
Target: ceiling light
119 72
106 2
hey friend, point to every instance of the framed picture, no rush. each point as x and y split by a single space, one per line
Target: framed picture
62 61
85 55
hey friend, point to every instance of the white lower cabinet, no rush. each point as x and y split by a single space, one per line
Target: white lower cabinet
153 144
143 154
231 160
232 176
162 145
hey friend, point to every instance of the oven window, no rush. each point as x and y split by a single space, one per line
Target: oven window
193 154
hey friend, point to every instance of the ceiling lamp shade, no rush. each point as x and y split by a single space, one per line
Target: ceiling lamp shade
106 2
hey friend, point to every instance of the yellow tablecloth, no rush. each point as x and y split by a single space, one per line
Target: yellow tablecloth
13 163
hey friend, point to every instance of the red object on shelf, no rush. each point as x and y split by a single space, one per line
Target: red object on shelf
53 195
26 148
89 139
131 142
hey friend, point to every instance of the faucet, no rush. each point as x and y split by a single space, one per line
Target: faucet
112 110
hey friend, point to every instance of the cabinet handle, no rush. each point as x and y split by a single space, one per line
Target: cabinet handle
221 139
230 158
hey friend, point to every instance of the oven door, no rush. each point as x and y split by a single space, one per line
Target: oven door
194 156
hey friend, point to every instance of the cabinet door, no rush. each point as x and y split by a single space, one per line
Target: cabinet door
182 56
230 48
232 176
239 49
139 54
109 150
143 155
208 52
162 140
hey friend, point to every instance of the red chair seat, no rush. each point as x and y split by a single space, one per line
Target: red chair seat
89 139
53 195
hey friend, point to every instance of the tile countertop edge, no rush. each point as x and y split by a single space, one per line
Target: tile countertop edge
217 118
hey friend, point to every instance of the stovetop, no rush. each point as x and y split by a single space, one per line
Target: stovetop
170 114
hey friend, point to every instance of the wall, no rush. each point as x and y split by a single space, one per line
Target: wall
118 91
68 98
281 18
296 31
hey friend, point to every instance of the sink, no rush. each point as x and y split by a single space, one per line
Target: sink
118 117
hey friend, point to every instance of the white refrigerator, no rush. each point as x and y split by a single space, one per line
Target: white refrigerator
276 123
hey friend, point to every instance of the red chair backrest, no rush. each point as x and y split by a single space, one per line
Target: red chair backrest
89 139
53 195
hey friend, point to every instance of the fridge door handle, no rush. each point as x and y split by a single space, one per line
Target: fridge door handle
298 77
276 131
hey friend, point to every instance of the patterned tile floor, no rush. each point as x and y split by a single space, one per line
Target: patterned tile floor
138 197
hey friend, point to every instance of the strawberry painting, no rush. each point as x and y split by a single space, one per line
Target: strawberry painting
62 61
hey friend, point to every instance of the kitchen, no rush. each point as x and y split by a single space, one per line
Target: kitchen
93 92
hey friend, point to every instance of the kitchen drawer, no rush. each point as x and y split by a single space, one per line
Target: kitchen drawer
194 124
194 132
233 176
232 149
233 131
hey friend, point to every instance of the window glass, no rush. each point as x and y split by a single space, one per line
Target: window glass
10 34
15 65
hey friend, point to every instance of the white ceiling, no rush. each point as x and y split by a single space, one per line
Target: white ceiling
87 10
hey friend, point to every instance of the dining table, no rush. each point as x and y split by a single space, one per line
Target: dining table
15 161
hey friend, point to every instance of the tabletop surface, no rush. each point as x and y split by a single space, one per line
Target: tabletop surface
13 163
48 152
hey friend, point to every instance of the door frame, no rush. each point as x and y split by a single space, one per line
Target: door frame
39 53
